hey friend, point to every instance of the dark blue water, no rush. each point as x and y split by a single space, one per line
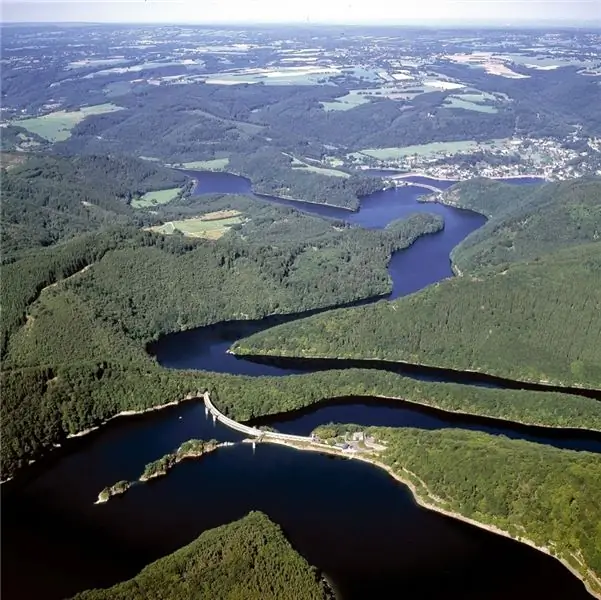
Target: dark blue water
379 412
351 520
423 263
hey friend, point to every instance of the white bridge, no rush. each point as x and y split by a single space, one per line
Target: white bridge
253 432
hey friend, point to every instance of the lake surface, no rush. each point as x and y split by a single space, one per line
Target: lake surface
347 518
350 519
424 262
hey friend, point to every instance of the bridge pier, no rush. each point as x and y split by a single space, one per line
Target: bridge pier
214 418
254 446
206 411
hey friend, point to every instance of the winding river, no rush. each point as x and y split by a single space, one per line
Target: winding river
356 524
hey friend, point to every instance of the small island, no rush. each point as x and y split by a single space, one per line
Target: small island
114 490
158 468
189 449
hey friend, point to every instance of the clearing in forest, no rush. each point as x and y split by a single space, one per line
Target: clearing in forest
153 198
209 226
57 126
216 164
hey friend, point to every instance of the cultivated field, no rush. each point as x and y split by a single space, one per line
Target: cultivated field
210 226
467 104
153 198
217 164
299 164
427 149
57 126
347 102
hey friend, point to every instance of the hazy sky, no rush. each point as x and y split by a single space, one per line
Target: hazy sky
316 11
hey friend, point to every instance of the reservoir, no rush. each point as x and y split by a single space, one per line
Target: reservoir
349 519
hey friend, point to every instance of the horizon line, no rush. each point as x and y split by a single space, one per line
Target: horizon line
458 23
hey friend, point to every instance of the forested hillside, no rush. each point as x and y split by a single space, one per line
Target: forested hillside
271 172
247 559
534 321
49 198
42 405
527 221
78 306
551 497
201 282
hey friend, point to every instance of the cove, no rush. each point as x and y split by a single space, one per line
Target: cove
351 520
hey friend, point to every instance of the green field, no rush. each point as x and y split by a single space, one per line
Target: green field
299 164
57 126
217 164
463 102
347 102
426 149
153 198
203 227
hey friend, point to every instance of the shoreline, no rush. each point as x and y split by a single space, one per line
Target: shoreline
428 503
159 474
497 420
84 432
402 175
578 390
265 195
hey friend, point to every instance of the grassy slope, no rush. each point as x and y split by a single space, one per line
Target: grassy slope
247 559
537 321
548 496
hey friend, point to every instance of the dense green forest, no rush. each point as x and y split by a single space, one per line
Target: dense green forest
248 559
91 299
534 321
271 172
190 448
527 221
79 320
549 496
42 405
48 198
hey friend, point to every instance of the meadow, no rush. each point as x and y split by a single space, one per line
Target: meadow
426 149
216 164
57 126
299 164
153 198
469 104
211 226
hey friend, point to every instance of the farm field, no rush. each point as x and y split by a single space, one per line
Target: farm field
210 226
153 198
57 126
426 149
217 164
463 102
309 75
347 102
299 164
